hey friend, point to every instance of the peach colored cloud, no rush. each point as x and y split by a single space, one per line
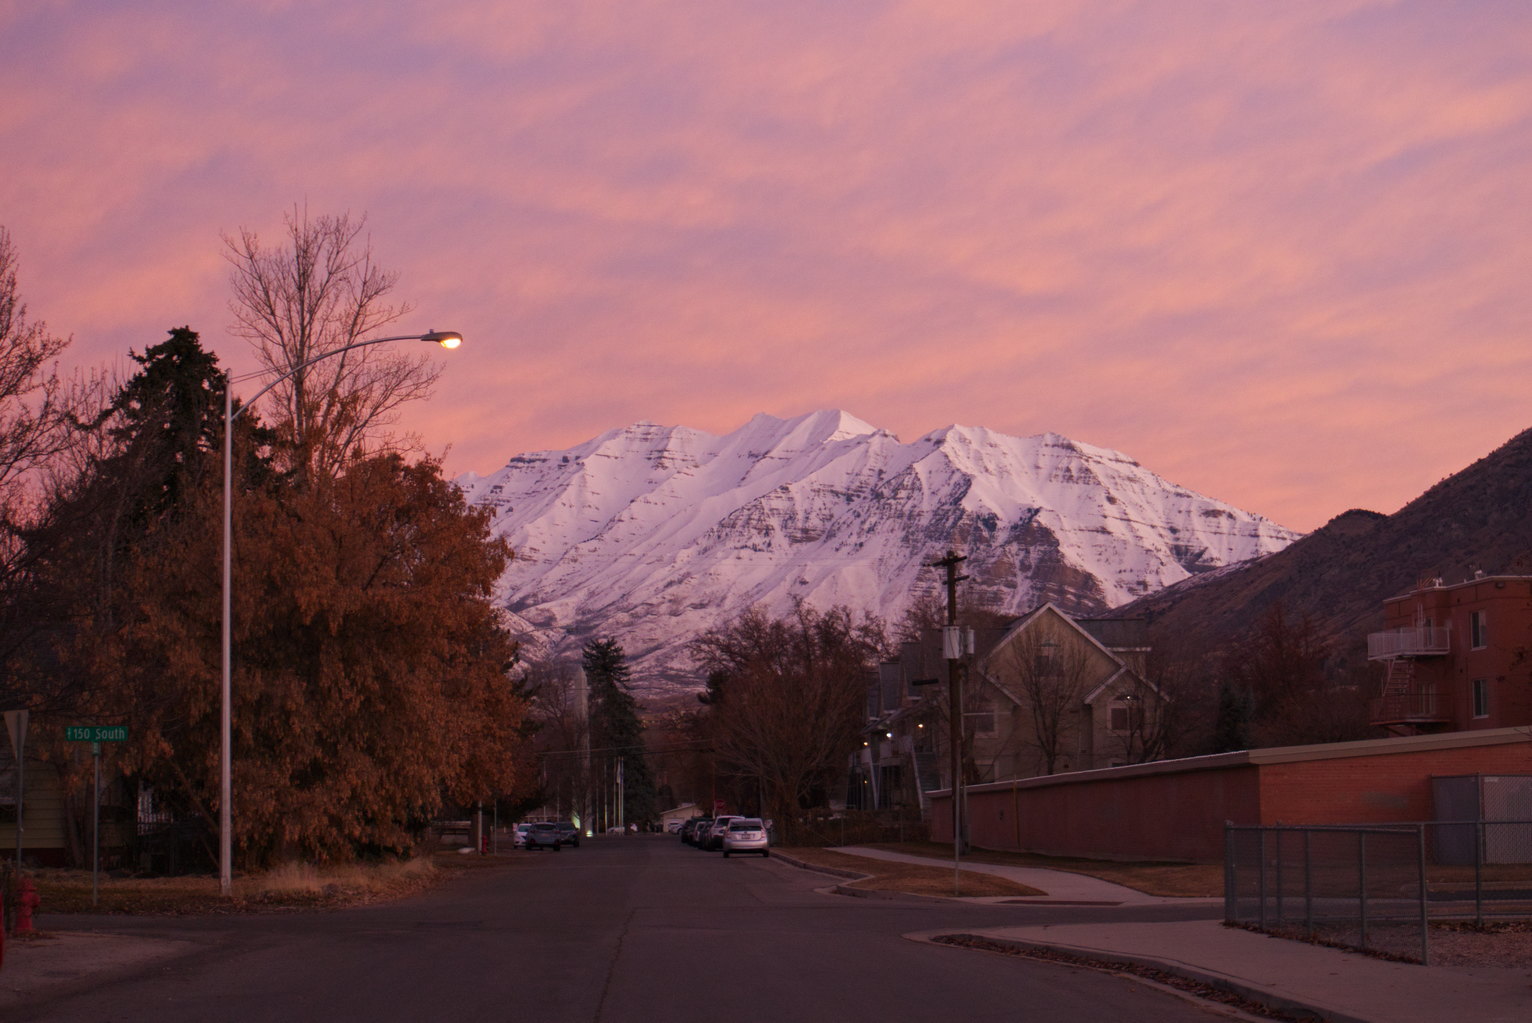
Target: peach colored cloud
1276 252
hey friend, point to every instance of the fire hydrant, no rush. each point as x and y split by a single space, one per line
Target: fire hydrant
26 904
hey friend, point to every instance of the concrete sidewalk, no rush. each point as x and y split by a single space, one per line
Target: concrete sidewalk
67 960
1277 972
1280 973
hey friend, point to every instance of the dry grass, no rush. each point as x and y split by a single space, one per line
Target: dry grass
911 878
1168 880
1507 944
291 886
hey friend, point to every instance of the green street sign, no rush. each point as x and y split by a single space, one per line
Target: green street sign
96 733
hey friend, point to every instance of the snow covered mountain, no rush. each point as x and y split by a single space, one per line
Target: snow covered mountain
653 534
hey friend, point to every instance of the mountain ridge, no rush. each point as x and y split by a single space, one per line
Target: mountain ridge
653 533
1477 519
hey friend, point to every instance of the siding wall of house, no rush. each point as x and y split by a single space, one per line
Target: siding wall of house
43 821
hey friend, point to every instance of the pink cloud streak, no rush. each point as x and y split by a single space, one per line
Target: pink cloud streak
1277 253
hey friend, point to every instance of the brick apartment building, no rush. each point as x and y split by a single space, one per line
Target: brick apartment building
1456 657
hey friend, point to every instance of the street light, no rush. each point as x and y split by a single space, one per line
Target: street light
447 339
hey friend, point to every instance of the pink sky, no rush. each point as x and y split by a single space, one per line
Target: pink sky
1278 253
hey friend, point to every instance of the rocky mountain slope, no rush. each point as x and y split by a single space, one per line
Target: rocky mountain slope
652 534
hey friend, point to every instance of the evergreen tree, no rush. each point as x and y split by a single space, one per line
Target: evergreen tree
616 727
152 445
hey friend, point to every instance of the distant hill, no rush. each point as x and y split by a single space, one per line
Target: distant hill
1339 575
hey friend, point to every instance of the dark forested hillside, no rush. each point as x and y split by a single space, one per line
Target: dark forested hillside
1479 519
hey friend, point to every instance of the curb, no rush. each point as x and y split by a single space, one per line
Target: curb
792 861
1099 959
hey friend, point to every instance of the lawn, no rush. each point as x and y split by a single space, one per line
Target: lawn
1170 880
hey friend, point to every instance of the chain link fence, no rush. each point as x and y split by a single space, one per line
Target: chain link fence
852 827
1377 886
1361 887
1479 869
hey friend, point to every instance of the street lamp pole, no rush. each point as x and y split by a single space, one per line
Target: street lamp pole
445 338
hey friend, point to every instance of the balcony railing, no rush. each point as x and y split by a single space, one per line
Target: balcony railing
1425 641
1417 706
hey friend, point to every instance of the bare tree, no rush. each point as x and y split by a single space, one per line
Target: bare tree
33 411
35 416
315 292
787 698
1282 666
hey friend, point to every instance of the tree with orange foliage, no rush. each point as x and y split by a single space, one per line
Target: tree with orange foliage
370 679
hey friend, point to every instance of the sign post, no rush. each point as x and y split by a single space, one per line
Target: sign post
95 735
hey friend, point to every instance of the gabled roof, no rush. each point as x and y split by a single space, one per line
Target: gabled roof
1088 635
1033 615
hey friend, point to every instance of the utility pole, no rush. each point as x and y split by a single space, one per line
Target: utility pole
952 650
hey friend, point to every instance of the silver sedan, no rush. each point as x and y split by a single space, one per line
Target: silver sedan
746 834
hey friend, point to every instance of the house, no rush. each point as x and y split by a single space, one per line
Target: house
672 819
45 835
1455 657
1057 693
1047 693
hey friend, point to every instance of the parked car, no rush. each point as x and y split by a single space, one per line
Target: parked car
746 834
692 828
568 833
544 835
713 838
519 835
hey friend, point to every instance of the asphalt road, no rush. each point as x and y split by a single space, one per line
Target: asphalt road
623 929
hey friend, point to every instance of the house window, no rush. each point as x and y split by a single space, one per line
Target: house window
1481 697
981 716
1123 716
1476 631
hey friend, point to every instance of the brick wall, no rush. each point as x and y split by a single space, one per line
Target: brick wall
1175 810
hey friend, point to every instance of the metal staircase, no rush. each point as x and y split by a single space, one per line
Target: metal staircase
1400 678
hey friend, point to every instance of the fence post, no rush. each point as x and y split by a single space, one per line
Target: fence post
1425 921
1260 884
1308 884
1281 888
1229 874
1361 867
1478 872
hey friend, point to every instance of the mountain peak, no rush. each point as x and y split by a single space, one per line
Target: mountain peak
822 427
